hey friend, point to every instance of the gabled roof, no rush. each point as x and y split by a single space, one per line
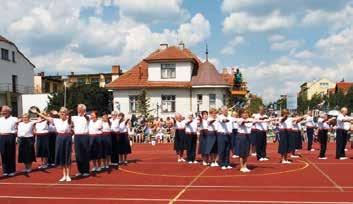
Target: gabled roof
207 74
173 53
344 86
3 39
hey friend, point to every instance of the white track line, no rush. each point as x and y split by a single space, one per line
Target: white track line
169 186
164 200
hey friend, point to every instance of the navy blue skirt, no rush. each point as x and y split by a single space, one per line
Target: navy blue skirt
211 142
233 139
123 143
63 150
26 152
298 140
242 145
283 146
202 142
96 147
42 145
291 141
107 145
180 140
253 137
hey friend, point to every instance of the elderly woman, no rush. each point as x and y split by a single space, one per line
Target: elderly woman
8 125
180 136
63 145
26 152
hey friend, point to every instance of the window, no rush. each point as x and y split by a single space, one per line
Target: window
47 87
324 84
95 81
199 99
168 103
224 99
55 87
107 80
14 83
13 56
4 54
168 71
212 101
133 104
81 81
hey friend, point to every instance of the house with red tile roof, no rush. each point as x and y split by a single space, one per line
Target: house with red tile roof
342 86
176 81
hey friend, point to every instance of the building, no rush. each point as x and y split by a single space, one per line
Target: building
175 80
56 83
309 89
16 76
341 86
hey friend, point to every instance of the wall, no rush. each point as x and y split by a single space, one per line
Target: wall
205 97
29 100
183 71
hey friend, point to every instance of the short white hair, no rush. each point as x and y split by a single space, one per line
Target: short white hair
6 108
64 109
83 106
114 113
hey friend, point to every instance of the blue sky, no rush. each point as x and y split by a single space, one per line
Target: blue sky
277 44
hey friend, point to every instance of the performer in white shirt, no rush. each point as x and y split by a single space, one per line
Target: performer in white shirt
191 125
8 125
124 147
285 128
26 152
82 140
211 139
203 137
343 125
224 131
63 150
310 127
41 131
95 127
324 126
114 125
234 118
180 137
106 140
52 139
260 129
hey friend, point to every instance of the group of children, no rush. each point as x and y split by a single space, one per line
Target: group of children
103 141
221 134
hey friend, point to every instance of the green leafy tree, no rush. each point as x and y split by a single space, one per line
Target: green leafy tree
302 103
255 103
93 96
143 104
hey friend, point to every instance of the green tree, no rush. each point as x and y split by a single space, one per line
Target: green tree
143 104
315 100
255 103
93 96
348 99
302 103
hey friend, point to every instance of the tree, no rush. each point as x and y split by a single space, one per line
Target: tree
93 96
255 103
143 104
349 98
303 104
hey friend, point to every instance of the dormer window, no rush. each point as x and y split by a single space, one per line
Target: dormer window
168 71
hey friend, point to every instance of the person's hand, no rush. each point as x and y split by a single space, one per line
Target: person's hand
33 110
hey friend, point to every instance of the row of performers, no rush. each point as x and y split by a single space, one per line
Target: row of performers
103 142
220 134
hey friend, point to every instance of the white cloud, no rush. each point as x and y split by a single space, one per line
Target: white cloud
239 22
231 5
286 45
276 38
197 30
231 46
334 19
153 11
305 54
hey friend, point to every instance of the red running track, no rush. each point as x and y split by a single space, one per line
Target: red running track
154 176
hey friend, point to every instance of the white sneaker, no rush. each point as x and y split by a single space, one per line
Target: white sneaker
179 160
94 169
312 150
213 164
63 179
247 170
125 162
12 174
204 163
216 164
98 169
261 159
85 174
78 174
286 162
223 168
5 174
44 166
195 162
294 156
190 162
28 170
345 150
229 167
322 158
343 158
265 159
253 154
183 160
235 156
244 170
107 166
114 164
68 179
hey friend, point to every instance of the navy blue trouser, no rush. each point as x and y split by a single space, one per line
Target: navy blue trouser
8 153
52 142
341 141
82 153
191 139
310 136
261 142
223 146
114 157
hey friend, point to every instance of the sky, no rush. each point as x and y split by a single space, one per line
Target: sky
277 44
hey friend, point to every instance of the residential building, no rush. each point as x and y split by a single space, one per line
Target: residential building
309 89
175 80
342 86
55 83
16 76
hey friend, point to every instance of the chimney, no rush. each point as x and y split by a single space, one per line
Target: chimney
163 46
116 69
181 45
41 74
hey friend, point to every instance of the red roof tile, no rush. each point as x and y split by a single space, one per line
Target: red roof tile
207 74
172 53
344 86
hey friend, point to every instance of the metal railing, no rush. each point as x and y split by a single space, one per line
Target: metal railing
16 88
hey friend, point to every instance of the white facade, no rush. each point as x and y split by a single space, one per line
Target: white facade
16 76
26 101
185 100
183 73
